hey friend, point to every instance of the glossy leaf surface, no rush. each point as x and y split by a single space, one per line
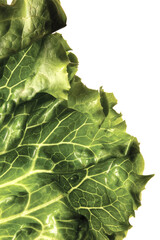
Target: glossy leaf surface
25 21
68 169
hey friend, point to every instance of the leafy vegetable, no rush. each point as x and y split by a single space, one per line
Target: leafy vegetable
24 22
69 170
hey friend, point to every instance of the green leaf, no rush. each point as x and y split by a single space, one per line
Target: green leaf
58 167
68 169
26 21
86 100
48 66
114 119
42 67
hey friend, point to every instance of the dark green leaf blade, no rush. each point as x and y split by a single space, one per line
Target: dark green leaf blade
26 21
68 169
40 68
58 166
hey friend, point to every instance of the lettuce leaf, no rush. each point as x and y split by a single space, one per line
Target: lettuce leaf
68 169
24 22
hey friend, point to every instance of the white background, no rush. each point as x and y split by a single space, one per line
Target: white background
118 46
